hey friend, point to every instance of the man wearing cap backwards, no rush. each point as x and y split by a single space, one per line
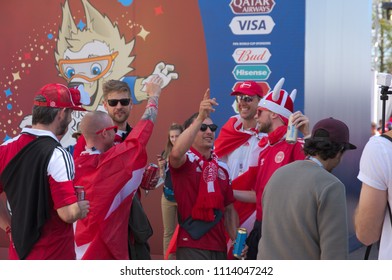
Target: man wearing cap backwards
273 112
373 217
36 176
111 175
304 204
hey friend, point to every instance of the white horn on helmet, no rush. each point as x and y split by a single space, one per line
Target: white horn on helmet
293 95
277 88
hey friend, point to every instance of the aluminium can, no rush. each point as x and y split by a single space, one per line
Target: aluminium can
292 132
239 243
80 193
148 176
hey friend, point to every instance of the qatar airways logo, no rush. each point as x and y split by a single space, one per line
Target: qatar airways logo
252 6
251 55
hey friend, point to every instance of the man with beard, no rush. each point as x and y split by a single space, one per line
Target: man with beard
237 144
272 117
118 104
37 177
111 175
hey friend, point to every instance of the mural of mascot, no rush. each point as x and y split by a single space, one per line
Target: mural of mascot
87 58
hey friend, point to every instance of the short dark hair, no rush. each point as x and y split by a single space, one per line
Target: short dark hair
190 120
325 149
43 115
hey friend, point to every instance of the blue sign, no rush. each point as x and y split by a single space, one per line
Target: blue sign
237 31
251 72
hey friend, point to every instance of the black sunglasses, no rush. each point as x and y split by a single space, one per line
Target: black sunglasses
204 126
244 98
123 102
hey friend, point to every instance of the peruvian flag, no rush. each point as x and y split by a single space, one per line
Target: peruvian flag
110 181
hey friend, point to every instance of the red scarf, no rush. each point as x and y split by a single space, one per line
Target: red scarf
230 138
274 136
209 196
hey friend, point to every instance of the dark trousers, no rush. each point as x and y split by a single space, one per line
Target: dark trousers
253 241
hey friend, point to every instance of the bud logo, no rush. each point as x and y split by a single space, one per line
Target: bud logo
252 25
251 55
252 6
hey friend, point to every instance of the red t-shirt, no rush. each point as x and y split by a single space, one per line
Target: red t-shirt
270 159
57 238
186 187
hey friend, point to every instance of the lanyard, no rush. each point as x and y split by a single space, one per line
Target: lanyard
316 161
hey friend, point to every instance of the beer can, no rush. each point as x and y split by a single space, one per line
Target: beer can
80 194
292 132
239 243
149 174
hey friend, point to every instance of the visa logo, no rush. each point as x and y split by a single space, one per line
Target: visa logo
252 25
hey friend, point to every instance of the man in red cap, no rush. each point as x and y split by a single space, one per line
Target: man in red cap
273 113
237 142
37 177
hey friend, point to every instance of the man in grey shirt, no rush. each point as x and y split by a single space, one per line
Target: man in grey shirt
304 204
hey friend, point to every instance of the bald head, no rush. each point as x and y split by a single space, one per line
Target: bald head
93 122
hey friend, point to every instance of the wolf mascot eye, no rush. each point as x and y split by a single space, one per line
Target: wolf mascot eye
69 72
96 69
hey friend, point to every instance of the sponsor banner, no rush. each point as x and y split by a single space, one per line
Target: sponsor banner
252 25
263 40
252 6
251 72
251 55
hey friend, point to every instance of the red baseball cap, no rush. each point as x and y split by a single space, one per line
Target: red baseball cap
60 96
250 88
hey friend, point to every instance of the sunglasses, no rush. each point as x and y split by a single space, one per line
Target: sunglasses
244 98
114 127
204 126
123 102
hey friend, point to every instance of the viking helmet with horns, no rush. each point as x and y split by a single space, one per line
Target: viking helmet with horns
279 101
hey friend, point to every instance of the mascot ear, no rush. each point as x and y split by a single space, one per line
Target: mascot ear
97 22
67 26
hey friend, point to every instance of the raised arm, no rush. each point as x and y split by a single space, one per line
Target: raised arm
184 142
153 89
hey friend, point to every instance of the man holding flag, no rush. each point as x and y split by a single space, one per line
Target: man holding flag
111 175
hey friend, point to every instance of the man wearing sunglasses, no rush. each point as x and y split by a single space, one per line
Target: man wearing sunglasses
273 112
237 143
111 174
202 190
118 104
